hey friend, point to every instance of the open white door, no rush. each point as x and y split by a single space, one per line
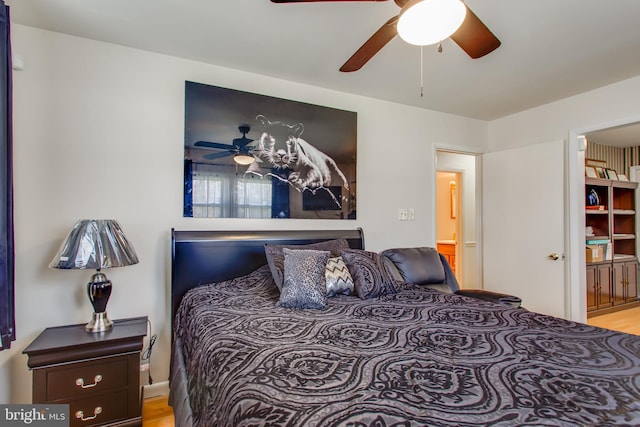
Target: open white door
523 216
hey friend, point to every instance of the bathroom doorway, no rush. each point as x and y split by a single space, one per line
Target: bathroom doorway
456 214
447 217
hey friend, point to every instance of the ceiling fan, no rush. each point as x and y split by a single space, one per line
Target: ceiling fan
239 148
472 36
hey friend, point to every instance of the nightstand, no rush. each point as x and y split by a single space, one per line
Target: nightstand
96 374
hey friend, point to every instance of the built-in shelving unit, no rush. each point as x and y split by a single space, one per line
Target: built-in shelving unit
612 281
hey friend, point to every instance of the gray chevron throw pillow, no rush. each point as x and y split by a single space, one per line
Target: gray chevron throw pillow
339 281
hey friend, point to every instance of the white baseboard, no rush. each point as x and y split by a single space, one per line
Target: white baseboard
157 389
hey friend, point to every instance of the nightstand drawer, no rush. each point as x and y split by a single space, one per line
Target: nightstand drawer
98 409
79 380
90 371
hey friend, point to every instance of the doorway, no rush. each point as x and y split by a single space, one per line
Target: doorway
609 133
456 214
611 159
448 186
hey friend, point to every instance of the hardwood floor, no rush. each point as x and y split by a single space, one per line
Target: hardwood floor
157 413
623 321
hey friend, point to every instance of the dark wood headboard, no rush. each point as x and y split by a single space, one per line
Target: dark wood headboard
201 257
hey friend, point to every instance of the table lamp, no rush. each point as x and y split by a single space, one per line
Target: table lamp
96 244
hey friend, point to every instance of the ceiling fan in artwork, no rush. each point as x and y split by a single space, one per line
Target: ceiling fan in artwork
424 22
239 148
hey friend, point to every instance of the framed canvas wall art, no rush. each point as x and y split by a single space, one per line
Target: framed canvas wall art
248 155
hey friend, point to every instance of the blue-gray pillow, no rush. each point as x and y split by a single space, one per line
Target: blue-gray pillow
275 257
304 283
370 276
339 281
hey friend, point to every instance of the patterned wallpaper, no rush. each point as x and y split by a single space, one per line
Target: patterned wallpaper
617 158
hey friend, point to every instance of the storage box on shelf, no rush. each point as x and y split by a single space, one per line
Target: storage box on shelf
595 253
612 262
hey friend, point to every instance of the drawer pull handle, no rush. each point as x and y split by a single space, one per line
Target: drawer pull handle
96 380
96 412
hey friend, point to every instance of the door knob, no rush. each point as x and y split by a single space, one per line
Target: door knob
554 256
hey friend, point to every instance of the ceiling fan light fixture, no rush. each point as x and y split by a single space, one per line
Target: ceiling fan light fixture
425 22
243 159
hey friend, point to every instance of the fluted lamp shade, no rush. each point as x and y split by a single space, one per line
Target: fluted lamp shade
94 244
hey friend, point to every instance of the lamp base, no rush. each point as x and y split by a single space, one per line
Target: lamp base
99 323
99 290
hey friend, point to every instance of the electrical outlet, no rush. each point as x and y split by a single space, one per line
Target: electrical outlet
402 214
412 214
144 366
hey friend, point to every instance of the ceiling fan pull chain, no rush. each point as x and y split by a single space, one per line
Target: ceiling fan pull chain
421 73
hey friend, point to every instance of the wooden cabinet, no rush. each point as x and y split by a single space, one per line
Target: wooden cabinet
96 374
448 250
599 289
625 282
612 283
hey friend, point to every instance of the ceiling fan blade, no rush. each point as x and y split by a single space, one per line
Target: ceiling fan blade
219 155
241 142
376 42
474 37
317 1
213 145
401 3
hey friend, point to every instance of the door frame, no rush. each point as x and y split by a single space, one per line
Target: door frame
575 272
576 292
477 238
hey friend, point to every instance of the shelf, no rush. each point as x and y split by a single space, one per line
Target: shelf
622 212
622 236
624 184
596 212
597 181
623 257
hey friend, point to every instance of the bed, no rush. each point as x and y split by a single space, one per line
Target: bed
413 356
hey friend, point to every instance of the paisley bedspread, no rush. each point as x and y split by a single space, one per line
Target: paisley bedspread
415 358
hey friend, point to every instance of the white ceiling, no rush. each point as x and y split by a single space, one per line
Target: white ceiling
618 136
550 49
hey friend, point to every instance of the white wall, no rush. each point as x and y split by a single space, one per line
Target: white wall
99 133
